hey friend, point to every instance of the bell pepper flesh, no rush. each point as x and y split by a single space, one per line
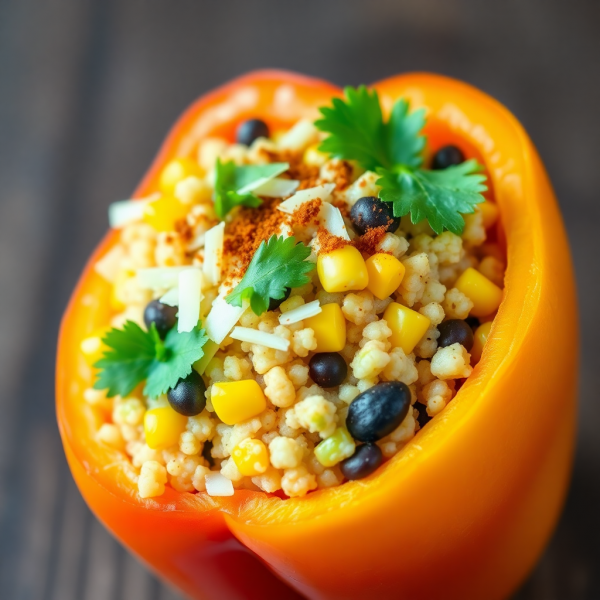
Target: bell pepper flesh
465 508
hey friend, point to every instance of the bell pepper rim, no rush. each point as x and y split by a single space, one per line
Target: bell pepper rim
422 447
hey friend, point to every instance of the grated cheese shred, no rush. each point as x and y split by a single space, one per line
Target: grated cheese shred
213 253
320 191
302 312
218 485
262 338
190 296
124 212
222 318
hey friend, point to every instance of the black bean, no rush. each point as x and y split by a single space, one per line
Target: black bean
455 331
328 369
378 411
447 156
370 212
250 130
274 304
187 397
365 460
162 315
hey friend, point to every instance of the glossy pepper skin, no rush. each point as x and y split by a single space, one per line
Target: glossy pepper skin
463 510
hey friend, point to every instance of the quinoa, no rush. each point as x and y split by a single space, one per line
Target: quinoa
298 413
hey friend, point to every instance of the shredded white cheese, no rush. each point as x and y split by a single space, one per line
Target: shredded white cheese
171 298
218 485
213 253
161 278
299 136
222 318
123 212
108 266
285 230
333 221
254 336
277 188
329 215
320 191
302 312
190 296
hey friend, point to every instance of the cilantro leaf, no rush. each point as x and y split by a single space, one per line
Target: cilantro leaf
181 351
441 196
356 129
226 196
358 132
234 184
278 264
125 364
404 140
135 355
394 150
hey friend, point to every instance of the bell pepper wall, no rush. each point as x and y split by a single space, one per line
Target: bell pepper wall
465 508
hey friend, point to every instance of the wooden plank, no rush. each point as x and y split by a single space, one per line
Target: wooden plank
40 501
101 572
168 593
70 544
33 125
137 582
89 89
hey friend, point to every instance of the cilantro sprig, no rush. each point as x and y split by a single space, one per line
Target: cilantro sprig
234 184
393 150
135 355
278 264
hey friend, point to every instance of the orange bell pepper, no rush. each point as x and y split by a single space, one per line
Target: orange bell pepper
465 508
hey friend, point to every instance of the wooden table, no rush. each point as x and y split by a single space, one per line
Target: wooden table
87 91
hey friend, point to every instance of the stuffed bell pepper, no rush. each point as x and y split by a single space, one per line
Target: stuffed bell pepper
328 348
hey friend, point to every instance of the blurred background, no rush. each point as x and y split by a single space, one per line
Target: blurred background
89 88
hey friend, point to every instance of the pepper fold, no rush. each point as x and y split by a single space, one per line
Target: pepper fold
464 510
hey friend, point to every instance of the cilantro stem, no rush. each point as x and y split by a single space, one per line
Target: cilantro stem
162 353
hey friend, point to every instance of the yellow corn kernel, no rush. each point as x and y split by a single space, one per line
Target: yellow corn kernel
485 295
479 340
490 213
342 270
163 213
162 427
92 347
385 274
314 157
407 325
116 294
329 327
237 401
175 171
251 457
335 448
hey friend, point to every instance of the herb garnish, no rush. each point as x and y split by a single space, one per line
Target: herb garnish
234 184
135 355
394 151
278 264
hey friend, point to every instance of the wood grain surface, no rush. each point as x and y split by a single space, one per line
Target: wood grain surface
88 88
